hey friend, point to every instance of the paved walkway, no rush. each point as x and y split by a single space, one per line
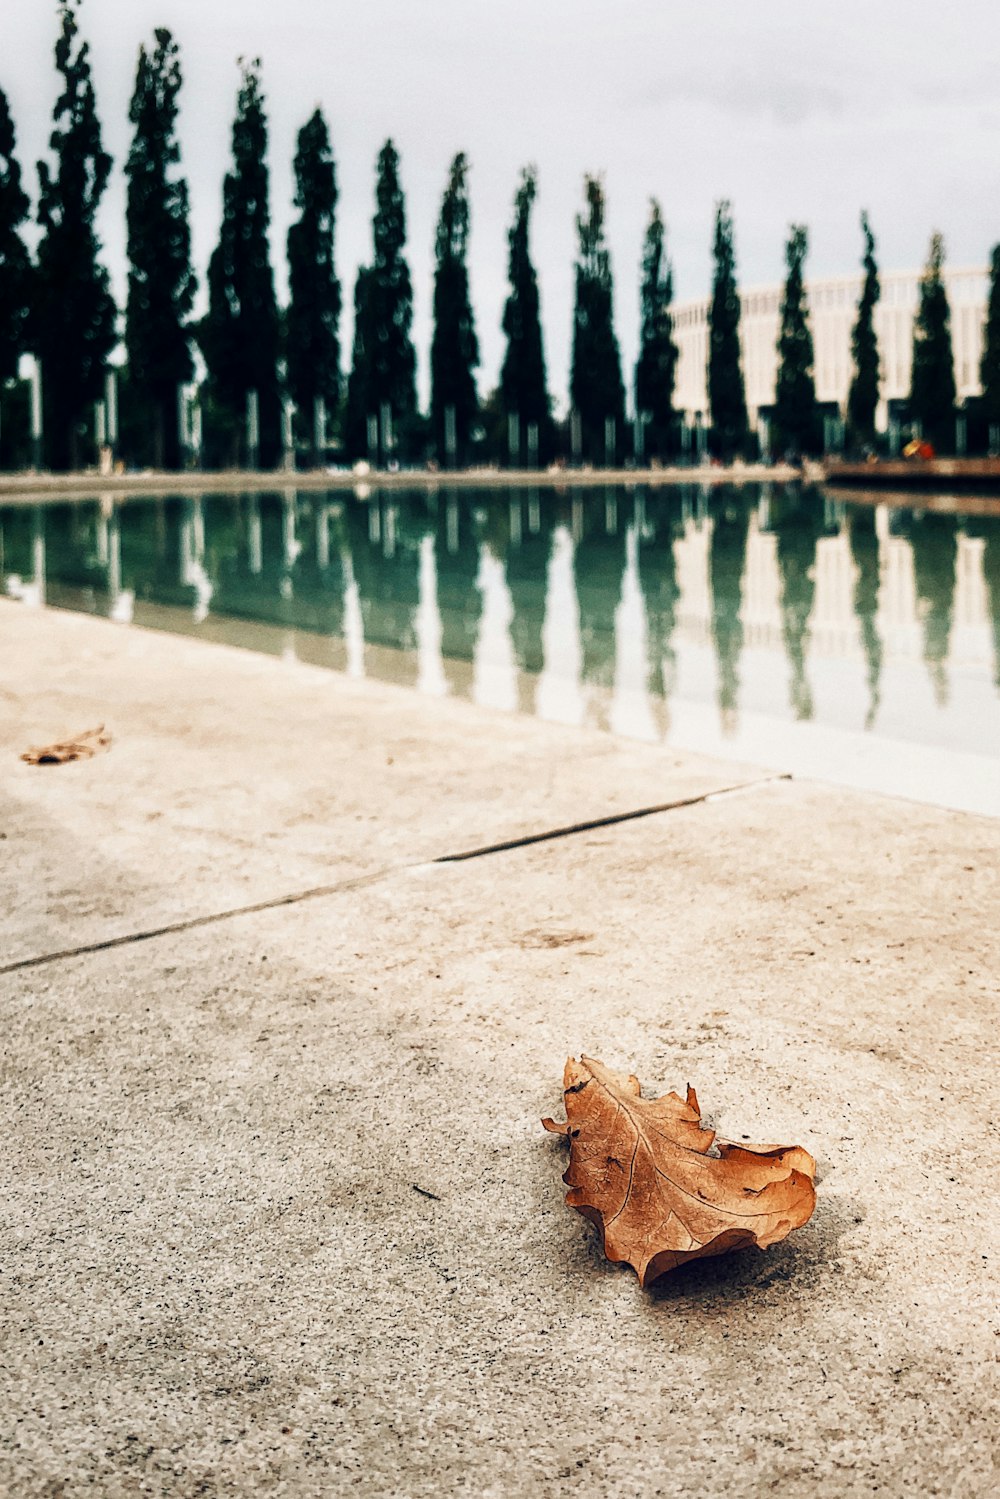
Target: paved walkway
280 1217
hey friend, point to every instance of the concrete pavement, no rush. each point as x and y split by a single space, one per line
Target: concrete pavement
280 1217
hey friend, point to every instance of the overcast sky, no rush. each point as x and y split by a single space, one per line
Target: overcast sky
797 110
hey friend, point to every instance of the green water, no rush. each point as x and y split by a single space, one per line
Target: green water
766 623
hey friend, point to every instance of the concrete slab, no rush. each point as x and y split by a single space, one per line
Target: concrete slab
282 1218
236 778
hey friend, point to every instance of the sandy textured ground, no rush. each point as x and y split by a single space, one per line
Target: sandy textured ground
279 1214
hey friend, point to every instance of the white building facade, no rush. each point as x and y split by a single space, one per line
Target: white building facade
832 313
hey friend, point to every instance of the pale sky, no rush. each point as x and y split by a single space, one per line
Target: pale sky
797 110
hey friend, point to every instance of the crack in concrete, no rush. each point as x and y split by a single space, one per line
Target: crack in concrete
606 822
317 892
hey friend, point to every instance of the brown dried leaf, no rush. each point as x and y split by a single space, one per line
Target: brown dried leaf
81 748
640 1169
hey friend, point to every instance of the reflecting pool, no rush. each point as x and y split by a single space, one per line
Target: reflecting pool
767 623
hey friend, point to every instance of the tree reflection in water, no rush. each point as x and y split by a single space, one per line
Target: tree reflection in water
933 538
798 512
727 553
864 551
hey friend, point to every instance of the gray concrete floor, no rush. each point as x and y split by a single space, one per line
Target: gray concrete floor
279 1215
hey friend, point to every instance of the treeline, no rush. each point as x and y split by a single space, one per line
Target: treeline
271 379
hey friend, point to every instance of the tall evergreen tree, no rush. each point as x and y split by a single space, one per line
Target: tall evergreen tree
454 347
656 369
15 264
239 334
383 370
989 369
596 387
523 387
726 392
73 317
313 344
862 399
932 386
796 418
161 282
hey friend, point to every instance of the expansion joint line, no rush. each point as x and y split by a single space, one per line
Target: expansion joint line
341 887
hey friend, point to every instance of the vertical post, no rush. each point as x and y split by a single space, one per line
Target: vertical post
387 435
532 444
253 429
639 427
514 439
196 431
100 424
764 438
319 429
610 442
685 438
111 402
961 435
373 441
576 437
450 437
287 436
36 414
700 436
182 426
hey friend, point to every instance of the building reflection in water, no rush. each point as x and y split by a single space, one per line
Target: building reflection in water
586 606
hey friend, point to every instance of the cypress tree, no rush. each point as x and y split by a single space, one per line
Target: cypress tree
726 394
383 370
656 368
796 419
239 334
523 388
73 318
161 282
862 399
15 265
596 387
989 369
454 346
932 387
312 341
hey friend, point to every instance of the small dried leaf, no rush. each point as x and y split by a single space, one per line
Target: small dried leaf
641 1170
81 748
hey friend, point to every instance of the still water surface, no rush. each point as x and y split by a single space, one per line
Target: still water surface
768 623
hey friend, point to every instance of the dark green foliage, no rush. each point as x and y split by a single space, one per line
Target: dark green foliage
239 334
932 388
312 342
523 388
161 282
454 346
796 419
383 369
864 552
15 264
73 317
596 387
862 399
656 368
989 369
727 404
